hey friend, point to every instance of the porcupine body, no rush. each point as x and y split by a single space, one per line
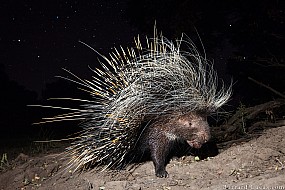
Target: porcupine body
144 100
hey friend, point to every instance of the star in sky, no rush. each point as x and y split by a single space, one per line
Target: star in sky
45 36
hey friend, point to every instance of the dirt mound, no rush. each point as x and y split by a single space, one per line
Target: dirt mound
257 164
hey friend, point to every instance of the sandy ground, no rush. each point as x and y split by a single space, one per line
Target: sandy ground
257 164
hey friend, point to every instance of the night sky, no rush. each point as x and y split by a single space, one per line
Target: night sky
38 38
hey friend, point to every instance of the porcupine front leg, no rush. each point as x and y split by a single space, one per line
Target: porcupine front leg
159 149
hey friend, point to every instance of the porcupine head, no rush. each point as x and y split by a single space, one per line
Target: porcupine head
160 138
170 90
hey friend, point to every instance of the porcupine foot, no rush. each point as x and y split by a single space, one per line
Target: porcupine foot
159 147
159 162
161 173
159 159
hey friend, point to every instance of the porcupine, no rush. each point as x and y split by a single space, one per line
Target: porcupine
145 100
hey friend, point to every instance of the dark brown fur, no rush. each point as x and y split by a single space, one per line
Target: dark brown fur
159 137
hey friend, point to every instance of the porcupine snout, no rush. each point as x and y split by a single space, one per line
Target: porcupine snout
199 138
198 131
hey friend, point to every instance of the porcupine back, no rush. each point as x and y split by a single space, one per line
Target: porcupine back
134 88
